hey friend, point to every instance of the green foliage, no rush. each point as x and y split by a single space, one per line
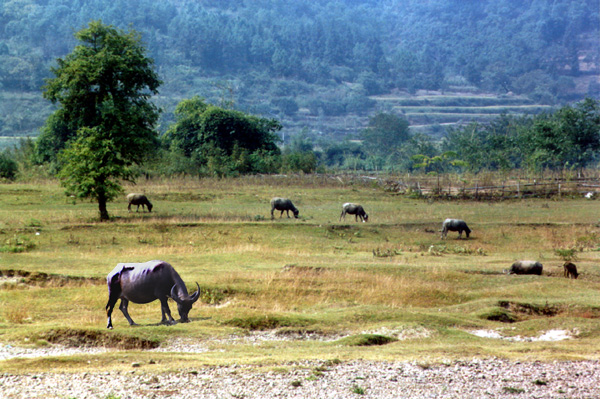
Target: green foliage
529 48
566 254
223 142
313 58
299 156
338 155
8 166
17 244
358 390
92 168
569 137
385 133
439 163
104 121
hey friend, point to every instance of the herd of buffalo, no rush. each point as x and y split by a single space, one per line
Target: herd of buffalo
147 282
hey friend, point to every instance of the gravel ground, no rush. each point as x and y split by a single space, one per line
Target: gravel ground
491 378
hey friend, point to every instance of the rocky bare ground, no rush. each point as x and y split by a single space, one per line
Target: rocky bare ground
476 378
489 378
492 378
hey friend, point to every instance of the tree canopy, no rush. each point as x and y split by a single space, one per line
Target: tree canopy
283 57
104 123
208 134
567 138
385 133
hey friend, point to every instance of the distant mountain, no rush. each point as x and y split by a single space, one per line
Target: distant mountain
320 66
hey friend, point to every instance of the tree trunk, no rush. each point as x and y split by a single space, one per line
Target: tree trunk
102 207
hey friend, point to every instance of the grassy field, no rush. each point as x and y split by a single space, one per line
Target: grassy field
387 289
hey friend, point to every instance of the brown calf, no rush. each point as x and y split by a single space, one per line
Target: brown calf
570 270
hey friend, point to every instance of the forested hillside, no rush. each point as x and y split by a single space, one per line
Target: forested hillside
321 67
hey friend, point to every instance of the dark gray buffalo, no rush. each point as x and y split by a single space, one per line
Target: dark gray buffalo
455 225
138 199
354 209
570 270
526 267
147 282
283 204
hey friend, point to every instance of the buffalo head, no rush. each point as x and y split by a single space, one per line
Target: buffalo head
184 305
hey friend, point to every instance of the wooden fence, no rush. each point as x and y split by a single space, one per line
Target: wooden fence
505 190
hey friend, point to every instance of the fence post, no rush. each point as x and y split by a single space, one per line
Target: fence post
477 190
558 190
518 188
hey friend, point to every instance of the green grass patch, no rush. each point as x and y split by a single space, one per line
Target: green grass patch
17 244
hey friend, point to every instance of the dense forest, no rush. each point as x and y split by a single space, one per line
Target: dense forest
329 71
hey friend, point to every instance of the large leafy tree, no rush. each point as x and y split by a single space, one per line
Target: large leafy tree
105 121
213 135
385 134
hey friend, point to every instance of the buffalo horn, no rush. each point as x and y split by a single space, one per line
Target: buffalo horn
174 295
196 294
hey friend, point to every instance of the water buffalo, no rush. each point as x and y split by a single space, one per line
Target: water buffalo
283 204
570 270
147 282
138 199
455 225
354 209
526 267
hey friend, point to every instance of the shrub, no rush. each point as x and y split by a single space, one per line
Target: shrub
8 166
566 254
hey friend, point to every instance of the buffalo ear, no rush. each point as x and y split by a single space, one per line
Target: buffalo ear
174 295
196 295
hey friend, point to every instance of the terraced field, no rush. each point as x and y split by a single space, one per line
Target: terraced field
428 109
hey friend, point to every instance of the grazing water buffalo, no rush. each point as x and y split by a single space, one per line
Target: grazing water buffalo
138 199
570 270
526 267
283 204
147 282
354 209
455 225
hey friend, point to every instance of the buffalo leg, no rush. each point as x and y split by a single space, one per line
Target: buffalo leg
166 312
112 301
114 292
123 307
